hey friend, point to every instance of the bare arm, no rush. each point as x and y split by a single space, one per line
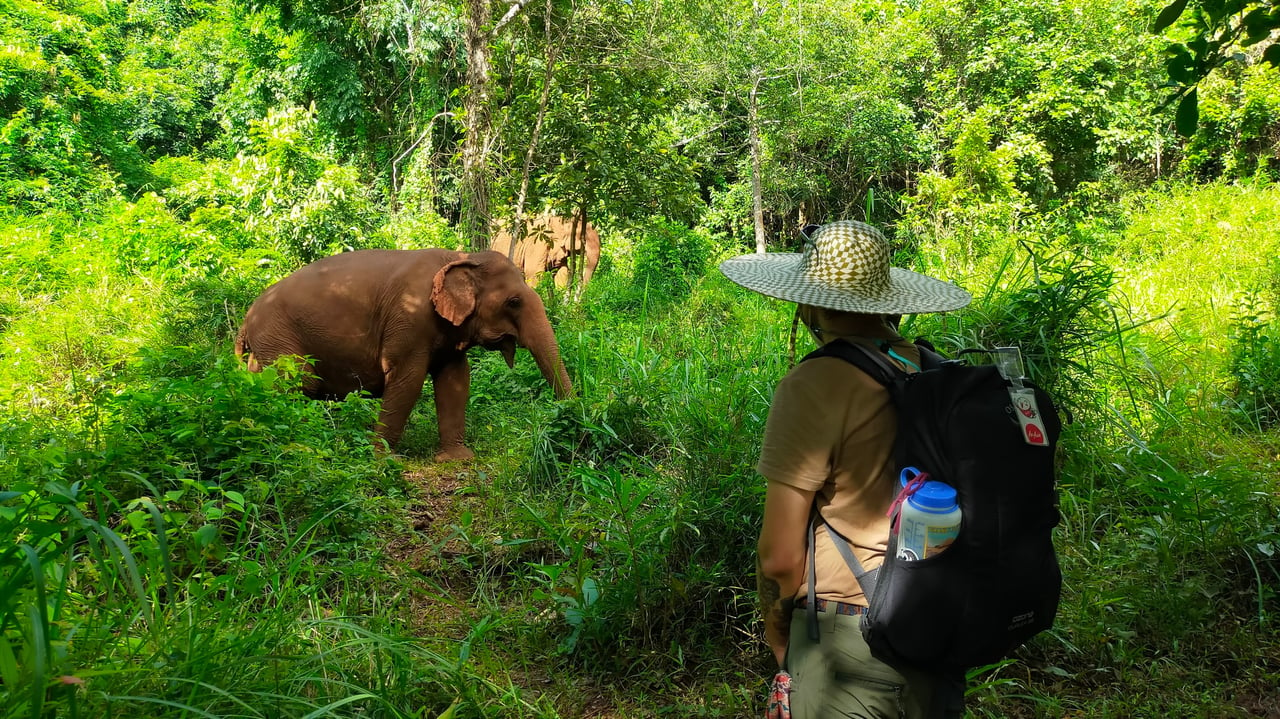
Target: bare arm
781 559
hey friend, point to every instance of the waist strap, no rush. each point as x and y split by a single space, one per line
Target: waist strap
831 605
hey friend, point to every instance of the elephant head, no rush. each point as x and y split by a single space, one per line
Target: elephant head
546 245
485 298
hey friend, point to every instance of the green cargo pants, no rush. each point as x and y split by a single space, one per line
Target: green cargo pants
838 677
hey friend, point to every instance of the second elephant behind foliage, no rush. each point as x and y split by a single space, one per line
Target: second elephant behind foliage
545 248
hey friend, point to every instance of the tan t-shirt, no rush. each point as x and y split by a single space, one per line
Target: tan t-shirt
830 430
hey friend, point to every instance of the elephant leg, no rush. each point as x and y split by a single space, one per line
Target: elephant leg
402 390
452 385
312 385
562 277
590 262
532 271
535 260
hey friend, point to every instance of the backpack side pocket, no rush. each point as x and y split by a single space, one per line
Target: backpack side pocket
918 607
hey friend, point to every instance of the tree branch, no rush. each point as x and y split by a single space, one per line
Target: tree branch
516 7
396 162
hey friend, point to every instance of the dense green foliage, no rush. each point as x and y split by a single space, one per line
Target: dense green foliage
1213 34
183 538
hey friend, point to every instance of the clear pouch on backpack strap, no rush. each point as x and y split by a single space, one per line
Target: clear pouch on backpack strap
1023 398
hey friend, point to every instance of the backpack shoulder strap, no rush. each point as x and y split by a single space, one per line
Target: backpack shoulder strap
866 579
860 356
929 357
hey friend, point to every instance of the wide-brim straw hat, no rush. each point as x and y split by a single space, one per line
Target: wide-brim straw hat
844 266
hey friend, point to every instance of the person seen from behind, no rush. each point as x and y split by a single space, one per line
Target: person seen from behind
828 448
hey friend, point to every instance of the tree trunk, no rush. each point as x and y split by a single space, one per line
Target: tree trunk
553 51
569 260
578 253
753 129
474 219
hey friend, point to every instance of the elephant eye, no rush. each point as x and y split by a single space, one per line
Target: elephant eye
515 302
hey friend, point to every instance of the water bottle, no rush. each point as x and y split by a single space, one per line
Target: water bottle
928 519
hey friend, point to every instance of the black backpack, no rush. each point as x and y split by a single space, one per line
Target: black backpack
998 584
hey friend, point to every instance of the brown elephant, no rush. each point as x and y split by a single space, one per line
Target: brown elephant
382 320
545 248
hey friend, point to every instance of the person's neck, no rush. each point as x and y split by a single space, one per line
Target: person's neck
834 325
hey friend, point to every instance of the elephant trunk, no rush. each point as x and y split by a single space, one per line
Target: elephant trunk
538 337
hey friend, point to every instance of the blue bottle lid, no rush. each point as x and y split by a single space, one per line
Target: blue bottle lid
934 497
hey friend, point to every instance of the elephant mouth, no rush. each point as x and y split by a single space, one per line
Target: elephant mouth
505 345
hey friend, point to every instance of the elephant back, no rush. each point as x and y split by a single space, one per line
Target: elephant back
502 243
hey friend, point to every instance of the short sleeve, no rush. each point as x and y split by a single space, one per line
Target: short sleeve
804 430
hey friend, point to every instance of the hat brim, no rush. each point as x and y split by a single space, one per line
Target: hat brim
778 275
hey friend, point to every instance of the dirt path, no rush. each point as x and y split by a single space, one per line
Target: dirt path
421 555
434 566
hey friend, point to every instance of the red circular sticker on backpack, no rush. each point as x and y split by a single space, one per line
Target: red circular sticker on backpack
1034 435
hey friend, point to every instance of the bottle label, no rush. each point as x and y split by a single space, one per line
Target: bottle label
918 540
938 539
1029 419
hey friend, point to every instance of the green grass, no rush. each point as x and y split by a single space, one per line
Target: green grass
186 539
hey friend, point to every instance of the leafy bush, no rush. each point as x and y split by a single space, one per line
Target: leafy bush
80 295
210 601
1058 309
635 571
206 310
288 192
975 209
172 78
636 500
57 142
48 254
214 499
1238 130
235 430
58 350
1255 363
669 259
146 238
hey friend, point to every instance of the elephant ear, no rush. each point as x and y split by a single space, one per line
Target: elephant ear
454 291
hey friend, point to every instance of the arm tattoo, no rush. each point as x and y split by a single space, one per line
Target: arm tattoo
772 604
782 615
769 595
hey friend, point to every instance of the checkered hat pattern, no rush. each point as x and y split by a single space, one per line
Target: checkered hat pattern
844 266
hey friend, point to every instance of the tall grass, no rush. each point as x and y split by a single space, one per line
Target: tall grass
636 500
183 538
188 539
96 629
171 577
1157 543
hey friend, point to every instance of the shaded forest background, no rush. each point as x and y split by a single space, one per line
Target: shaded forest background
183 538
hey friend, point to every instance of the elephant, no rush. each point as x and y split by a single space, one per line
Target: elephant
382 320
545 248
